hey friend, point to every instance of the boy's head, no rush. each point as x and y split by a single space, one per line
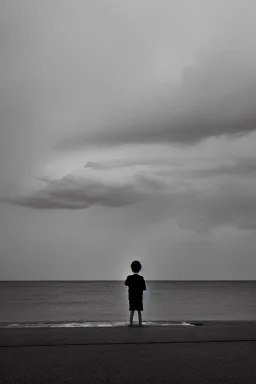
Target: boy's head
136 266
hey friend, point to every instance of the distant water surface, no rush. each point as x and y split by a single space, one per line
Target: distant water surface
70 301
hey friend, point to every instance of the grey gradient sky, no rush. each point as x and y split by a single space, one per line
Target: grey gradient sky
128 131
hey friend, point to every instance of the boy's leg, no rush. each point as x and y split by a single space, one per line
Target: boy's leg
131 317
140 318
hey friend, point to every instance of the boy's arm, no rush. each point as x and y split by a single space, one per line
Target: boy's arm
144 285
127 281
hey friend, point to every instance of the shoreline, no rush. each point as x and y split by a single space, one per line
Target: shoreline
92 324
207 331
114 323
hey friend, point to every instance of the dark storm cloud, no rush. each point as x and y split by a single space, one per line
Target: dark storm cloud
150 200
214 99
73 192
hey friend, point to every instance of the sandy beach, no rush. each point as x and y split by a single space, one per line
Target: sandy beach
214 352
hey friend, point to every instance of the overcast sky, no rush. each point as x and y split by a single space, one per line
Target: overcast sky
128 131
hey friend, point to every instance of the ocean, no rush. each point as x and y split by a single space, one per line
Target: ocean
107 301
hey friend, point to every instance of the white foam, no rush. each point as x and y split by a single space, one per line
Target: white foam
92 324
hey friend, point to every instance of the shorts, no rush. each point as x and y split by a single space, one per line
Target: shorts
135 303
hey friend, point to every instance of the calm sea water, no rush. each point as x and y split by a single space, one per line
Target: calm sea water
108 301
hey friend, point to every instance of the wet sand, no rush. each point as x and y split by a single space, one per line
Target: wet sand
214 352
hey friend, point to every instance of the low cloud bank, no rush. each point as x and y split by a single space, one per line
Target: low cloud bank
191 202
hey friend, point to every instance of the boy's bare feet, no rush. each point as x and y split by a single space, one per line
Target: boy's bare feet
130 325
140 325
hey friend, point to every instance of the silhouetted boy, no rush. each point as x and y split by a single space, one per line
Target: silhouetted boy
136 284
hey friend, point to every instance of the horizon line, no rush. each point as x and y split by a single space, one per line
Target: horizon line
119 280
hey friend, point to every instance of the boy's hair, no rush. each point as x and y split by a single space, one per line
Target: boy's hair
136 266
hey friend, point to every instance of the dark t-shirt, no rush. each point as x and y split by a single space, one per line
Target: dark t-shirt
136 284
